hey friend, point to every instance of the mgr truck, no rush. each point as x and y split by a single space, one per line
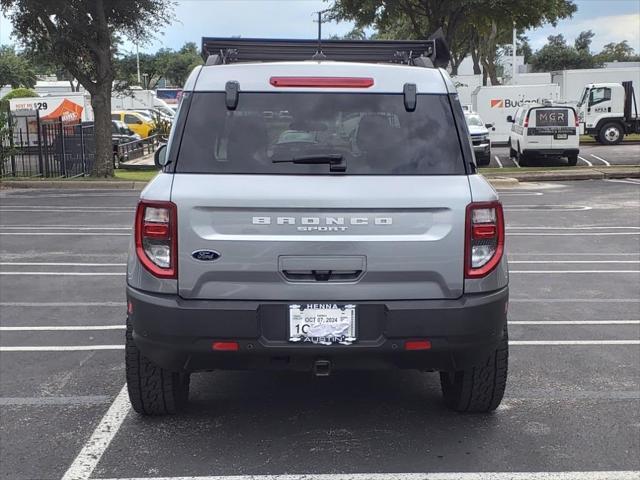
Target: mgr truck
608 112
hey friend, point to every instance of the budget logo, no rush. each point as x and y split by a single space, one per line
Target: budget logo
497 103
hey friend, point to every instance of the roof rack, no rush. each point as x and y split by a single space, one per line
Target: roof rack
423 53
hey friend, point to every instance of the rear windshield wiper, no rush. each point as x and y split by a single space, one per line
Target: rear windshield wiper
334 160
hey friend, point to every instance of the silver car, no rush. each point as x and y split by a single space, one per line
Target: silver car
365 239
480 140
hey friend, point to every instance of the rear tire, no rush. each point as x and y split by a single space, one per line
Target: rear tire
480 388
573 160
512 152
152 389
611 134
521 158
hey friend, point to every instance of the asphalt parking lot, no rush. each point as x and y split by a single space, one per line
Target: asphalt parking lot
591 155
572 401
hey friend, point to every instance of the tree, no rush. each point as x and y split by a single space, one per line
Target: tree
617 52
557 55
470 26
79 35
15 70
523 47
582 42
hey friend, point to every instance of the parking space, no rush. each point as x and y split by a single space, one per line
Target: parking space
591 155
572 401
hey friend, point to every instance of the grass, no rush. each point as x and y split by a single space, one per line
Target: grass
633 137
502 171
135 175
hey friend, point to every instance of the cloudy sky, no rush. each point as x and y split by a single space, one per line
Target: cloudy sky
611 20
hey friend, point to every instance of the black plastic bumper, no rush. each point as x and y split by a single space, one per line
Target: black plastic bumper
178 334
550 152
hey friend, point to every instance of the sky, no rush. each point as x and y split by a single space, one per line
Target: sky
611 21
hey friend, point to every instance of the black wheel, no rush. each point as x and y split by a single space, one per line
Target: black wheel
478 389
611 134
521 158
484 161
573 160
152 390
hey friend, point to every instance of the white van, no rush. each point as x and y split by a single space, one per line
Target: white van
544 131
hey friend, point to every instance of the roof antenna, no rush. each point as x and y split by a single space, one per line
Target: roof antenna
319 55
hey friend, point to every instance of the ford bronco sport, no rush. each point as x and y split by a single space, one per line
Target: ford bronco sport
318 212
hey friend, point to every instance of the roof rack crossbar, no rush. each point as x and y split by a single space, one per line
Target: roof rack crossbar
408 52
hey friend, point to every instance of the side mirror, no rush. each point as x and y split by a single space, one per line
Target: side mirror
510 119
160 156
488 125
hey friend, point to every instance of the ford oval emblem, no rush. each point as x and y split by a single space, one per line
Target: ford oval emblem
205 255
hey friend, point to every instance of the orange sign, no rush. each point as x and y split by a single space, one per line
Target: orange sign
67 110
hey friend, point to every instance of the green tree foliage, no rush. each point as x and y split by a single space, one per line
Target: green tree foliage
173 66
79 36
557 55
470 26
15 70
617 52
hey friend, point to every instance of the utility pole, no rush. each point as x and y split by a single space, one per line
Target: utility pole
513 58
319 55
138 60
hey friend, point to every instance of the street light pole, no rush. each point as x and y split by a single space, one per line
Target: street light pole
138 60
513 58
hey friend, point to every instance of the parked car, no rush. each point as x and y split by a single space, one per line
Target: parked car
544 130
121 134
362 246
479 132
140 123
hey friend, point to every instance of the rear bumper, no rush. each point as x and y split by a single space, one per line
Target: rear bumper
177 334
552 152
483 150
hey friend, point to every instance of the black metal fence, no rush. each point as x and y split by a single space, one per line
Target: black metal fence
31 147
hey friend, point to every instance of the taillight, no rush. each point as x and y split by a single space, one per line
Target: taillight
156 234
526 121
484 243
577 120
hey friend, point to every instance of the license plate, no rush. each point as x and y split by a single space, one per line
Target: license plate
322 324
561 136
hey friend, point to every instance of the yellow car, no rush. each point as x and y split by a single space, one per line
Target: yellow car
136 121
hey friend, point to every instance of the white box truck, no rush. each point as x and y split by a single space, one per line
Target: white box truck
572 82
137 99
495 103
609 111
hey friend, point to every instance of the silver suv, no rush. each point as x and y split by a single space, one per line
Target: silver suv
318 215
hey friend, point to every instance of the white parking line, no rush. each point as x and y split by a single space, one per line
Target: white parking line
572 261
72 274
74 234
575 234
574 322
573 300
44 227
574 271
591 475
65 328
516 162
88 458
60 348
601 159
630 181
63 264
573 342
62 304
498 160
585 161
595 227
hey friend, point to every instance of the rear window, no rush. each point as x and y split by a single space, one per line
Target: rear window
552 117
368 134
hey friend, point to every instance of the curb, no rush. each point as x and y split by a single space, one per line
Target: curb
503 182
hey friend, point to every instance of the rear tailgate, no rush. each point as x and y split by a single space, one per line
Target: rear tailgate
335 238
